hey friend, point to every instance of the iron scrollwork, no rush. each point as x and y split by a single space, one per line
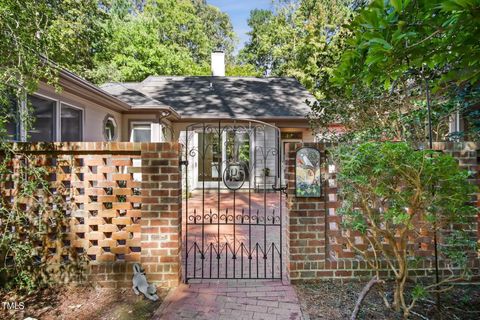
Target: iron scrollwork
233 204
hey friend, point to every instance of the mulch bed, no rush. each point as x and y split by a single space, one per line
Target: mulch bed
87 302
332 300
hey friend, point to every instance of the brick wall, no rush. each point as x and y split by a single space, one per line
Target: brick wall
306 226
161 215
122 202
317 245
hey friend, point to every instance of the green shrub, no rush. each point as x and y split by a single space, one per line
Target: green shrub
389 191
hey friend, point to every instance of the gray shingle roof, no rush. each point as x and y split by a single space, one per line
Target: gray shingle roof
218 97
127 93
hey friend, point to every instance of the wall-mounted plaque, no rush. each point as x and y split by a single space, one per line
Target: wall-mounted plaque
307 173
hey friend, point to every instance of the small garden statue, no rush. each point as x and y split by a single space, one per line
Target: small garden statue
140 284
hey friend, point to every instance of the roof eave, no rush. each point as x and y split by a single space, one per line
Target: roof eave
172 114
262 118
107 100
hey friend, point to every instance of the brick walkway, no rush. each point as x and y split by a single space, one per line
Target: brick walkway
231 299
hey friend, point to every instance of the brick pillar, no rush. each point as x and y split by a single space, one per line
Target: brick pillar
306 225
161 213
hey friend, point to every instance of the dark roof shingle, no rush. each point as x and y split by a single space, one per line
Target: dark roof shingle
219 97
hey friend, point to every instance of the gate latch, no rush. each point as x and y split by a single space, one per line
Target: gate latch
184 163
280 188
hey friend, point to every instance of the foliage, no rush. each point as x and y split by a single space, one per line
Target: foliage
302 39
64 31
161 37
393 39
112 40
34 221
370 114
396 50
241 70
391 192
31 33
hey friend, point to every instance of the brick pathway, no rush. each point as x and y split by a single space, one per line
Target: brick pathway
231 299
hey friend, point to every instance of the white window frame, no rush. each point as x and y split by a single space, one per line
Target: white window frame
59 117
116 134
140 122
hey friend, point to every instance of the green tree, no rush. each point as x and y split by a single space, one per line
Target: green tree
31 32
398 49
393 40
161 37
302 39
63 31
258 51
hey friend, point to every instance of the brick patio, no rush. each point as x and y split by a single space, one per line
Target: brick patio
232 300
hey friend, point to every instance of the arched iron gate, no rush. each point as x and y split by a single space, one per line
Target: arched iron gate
232 195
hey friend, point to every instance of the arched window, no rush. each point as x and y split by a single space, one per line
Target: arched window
110 129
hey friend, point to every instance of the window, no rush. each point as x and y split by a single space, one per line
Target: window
209 162
13 130
141 132
51 121
8 110
71 123
110 128
44 125
228 154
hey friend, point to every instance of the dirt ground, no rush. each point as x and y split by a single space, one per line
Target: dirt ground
81 303
331 300
334 300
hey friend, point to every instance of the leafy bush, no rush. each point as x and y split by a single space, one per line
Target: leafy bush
391 192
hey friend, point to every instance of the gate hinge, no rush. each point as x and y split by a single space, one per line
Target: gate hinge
184 163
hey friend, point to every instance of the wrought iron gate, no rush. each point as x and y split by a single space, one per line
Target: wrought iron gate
232 200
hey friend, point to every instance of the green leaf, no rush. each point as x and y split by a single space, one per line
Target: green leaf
397 4
381 41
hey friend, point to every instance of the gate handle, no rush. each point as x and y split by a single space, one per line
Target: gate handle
281 189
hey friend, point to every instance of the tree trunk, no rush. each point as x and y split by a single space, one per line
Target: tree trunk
396 296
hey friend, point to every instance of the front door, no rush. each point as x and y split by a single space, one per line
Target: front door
233 201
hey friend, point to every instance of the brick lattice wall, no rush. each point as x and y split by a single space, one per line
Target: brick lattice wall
122 201
319 248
